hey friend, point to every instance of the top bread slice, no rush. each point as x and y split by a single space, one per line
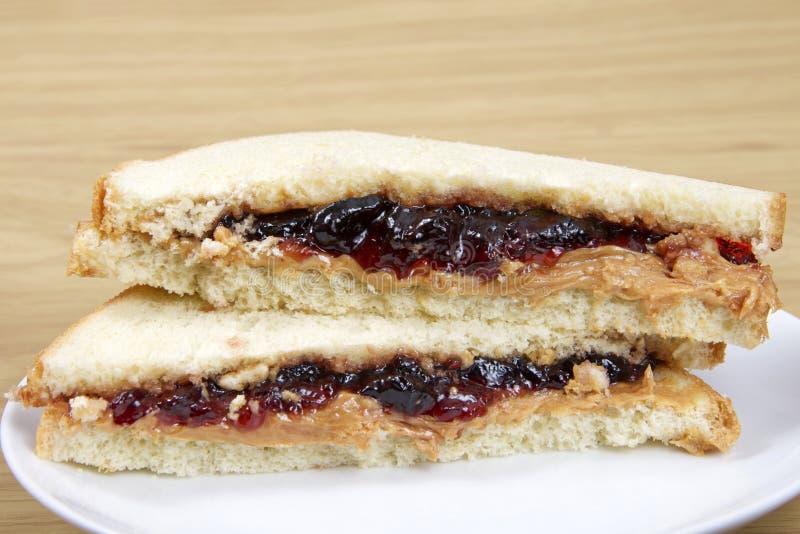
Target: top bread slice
186 193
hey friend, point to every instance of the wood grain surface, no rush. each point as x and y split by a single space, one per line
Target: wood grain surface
704 89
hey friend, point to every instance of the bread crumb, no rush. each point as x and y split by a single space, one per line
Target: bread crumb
86 409
223 235
235 405
588 378
238 380
290 396
210 248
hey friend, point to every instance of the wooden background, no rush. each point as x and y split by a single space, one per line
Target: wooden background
706 89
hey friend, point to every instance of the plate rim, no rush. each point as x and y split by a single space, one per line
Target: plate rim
35 490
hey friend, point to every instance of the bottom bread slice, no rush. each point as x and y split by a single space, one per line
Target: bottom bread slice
668 406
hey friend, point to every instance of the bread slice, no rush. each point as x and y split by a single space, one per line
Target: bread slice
675 408
622 291
186 193
146 337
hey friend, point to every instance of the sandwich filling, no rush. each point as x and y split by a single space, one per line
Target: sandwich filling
308 404
368 251
444 391
381 235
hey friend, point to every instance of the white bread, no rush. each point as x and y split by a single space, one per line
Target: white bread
691 416
134 260
146 337
187 192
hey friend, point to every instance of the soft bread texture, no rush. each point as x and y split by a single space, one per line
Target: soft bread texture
134 260
118 450
146 337
689 415
187 192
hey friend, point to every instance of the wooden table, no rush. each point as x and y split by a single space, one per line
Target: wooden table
705 89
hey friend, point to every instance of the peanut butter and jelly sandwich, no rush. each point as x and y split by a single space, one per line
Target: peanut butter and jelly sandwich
349 298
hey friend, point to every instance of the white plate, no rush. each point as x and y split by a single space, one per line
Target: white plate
651 488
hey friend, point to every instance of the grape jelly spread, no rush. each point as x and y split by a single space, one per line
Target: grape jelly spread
736 252
446 393
383 235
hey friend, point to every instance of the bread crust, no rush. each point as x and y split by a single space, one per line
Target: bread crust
778 217
187 191
98 202
35 391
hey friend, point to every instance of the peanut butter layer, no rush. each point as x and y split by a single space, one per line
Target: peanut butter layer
355 420
685 265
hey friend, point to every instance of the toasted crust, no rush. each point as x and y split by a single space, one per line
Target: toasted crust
98 197
186 192
670 406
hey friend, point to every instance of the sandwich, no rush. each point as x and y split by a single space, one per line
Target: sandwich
347 298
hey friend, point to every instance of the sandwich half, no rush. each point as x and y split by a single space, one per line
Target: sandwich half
160 382
335 222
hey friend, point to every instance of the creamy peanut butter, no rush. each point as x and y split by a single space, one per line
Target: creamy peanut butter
355 420
685 265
